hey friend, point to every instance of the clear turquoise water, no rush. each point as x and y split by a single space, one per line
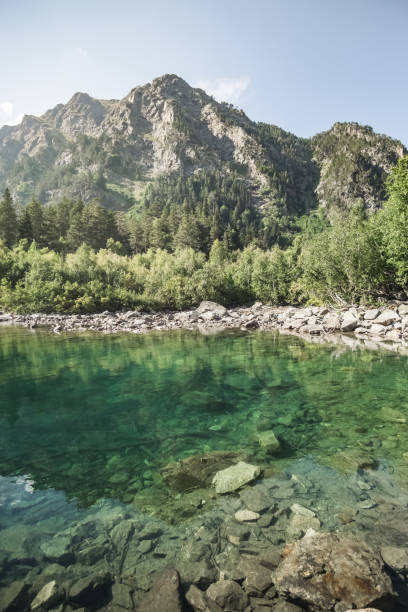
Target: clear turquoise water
97 416
87 421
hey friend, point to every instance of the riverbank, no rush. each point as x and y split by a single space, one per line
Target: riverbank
386 326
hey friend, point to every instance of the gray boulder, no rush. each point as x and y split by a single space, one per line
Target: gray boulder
348 322
208 306
323 569
165 594
228 595
234 477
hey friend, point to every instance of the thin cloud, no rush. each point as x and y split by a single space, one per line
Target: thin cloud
225 89
76 54
7 108
7 115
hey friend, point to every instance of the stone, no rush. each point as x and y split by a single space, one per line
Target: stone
208 306
268 441
58 549
326 569
86 590
369 315
258 578
387 317
14 597
198 470
286 606
201 573
299 525
376 329
348 322
165 594
255 499
253 324
121 534
298 509
234 477
331 322
243 516
228 595
48 597
121 596
396 558
403 309
199 601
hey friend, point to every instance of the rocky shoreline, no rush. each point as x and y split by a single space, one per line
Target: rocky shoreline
385 325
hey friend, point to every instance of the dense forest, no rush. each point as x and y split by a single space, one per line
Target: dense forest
204 237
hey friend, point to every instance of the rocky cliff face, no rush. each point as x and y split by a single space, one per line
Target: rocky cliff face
111 149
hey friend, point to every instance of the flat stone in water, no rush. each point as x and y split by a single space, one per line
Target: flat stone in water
234 477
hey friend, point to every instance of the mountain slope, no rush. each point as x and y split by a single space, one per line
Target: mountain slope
113 149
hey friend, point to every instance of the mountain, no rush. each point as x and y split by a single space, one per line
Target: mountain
113 150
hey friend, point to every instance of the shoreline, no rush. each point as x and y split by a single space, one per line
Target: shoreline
385 327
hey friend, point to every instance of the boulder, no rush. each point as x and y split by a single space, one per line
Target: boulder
198 470
244 516
348 322
87 590
255 499
268 441
208 306
228 595
234 477
324 569
369 315
396 558
331 322
14 597
403 309
164 595
199 601
387 317
48 597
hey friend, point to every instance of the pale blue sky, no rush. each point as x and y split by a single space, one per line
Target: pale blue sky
300 64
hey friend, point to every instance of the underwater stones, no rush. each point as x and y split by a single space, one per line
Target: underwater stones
121 533
88 590
14 597
48 597
396 558
258 578
122 596
164 594
199 601
268 441
208 306
235 476
255 499
323 569
15 544
244 516
198 470
228 595
58 549
352 459
299 524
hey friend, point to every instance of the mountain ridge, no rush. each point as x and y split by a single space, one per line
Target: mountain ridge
112 150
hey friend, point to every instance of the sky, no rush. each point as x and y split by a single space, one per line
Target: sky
299 64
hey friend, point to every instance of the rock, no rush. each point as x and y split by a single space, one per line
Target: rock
48 597
243 516
5 317
396 558
234 477
255 499
14 597
164 595
228 595
237 534
323 569
89 589
387 317
268 441
258 578
121 596
369 315
331 322
299 525
199 601
286 606
198 470
253 324
403 309
376 329
201 573
208 306
58 549
348 322
298 509
121 534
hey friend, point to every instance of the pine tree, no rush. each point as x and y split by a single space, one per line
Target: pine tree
36 215
8 219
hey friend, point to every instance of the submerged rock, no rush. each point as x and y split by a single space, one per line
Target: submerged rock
234 477
323 569
49 595
228 595
164 595
13 598
198 470
268 441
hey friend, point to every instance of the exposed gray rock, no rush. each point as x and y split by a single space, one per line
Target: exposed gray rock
208 306
349 322
317 571
387 317
331 321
